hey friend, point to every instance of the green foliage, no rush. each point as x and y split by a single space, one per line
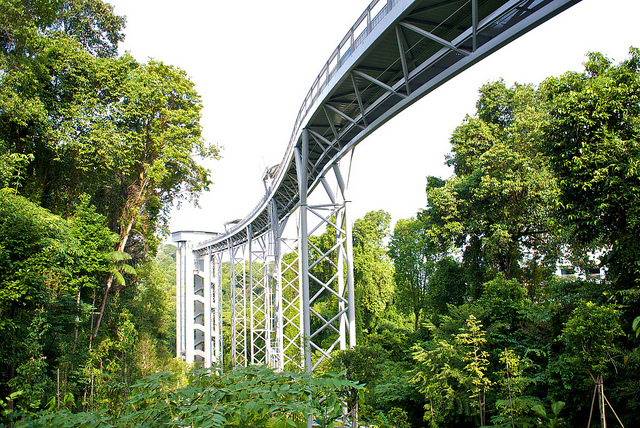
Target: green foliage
539 173
514 405
553 419
372 268
592 139
503 193
472 340
502 306
87 121
91 23
49 270
452 374
590 336
12 168
447 286
414 259
383 369
252 396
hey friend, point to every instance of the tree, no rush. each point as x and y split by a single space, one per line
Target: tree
448 286
158 120
452 373
93 24
49 269
36 251
592 140
498 207
515 405
472 340
590 337
372 268
93 123
503 301
51 87
414 258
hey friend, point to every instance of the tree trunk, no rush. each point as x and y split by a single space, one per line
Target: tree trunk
134 204
121 244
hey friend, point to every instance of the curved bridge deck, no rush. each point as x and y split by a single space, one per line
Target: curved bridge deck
397 52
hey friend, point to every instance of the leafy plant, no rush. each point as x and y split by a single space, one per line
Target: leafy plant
254 396
553 419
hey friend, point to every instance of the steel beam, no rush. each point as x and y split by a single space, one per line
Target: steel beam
326 274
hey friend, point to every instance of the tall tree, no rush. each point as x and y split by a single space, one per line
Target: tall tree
92 23
593 141
49 81
80 120
158 122
414 259
372 267
499 204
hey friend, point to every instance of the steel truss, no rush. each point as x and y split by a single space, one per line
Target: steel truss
278 317
261 291
272 313
332 326
239 314
284 311
290 306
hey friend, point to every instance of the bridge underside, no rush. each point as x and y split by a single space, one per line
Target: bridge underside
282 311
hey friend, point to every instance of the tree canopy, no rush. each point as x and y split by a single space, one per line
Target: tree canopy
95 149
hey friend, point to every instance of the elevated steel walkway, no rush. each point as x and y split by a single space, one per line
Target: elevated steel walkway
397 52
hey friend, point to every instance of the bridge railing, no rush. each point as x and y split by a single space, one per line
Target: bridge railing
364 25
356 35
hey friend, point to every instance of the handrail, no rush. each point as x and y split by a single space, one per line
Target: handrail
354 41
363 26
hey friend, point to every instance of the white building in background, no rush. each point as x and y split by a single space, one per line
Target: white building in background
565 269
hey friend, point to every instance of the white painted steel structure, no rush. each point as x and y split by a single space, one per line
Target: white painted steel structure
283 312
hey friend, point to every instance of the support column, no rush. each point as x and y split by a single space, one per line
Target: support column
181 296
189 311
217 311
286 348
290 302
348 228
208 310
302 160
252 328
191 290
260 293
326 271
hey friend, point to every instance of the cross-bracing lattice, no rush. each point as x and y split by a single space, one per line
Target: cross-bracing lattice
260 301
239 316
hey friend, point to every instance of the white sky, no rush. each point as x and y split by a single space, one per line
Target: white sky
254 61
